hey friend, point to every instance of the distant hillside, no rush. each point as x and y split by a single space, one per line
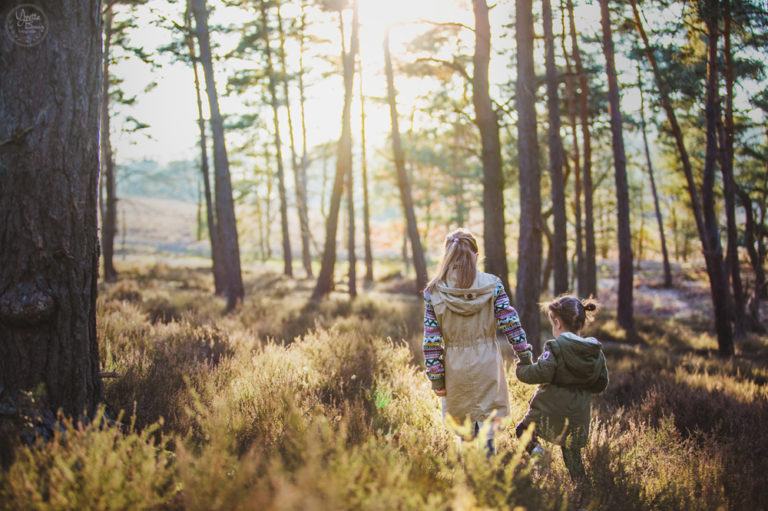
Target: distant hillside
177 180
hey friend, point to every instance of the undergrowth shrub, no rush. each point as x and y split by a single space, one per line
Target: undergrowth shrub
291 404
94 466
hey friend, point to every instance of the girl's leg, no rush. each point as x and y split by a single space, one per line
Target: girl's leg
489 428
521 428
574 463
458 438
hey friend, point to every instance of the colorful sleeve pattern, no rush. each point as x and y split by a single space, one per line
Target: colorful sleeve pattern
509 323
433 346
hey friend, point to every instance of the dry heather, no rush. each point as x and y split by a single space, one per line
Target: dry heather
291 405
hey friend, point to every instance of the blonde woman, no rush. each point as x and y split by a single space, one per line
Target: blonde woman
463 309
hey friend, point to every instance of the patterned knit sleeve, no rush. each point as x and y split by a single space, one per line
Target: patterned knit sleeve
433 346
509 322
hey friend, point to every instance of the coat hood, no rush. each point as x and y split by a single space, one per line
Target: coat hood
464 300
580 359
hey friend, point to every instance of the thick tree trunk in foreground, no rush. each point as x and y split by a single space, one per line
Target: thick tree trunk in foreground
109 218
287 255
213 232
589 287
494 238
324 283
225 208
49 163
625 311
718 284
559 249
657 209
402 178
529 244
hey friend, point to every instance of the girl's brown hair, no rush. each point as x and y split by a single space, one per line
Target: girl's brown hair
459 256
571 311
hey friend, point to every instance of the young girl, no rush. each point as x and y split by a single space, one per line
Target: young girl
569 371
463 308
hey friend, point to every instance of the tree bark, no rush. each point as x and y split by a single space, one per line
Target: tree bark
625 309
580 261
559 248
49 254
225 208
368 279
718 280
302 186
657 209
494 236
726 128
754 258
286 237
301 199
109 225
589 287
419 263
715 271
324 283
219 276
529 243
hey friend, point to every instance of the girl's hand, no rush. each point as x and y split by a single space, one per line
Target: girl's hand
440 393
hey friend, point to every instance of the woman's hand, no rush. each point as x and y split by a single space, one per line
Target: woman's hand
440 393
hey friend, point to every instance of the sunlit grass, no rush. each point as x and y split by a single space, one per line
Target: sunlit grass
290 404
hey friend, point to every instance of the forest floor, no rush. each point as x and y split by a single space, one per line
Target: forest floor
288 404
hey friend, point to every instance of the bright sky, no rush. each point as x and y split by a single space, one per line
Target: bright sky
170 109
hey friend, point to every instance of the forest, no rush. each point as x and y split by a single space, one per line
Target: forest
218 219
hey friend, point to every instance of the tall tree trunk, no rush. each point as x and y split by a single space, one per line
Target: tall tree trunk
109 226
219 275
625 309
754 258
657 209
304 158
287 255
717 283
494 236
729 186
351 256
225 207
590 252
570 88
559 247
402 178
529 243
366 205
324 283
49 255
301 199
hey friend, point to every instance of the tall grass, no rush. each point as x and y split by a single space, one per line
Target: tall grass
292 405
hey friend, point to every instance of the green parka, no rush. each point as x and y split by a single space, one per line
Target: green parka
570 370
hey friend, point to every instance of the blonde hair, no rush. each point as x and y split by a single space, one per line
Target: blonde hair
458 255
572 312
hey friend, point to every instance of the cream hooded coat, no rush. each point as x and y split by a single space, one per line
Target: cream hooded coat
475 382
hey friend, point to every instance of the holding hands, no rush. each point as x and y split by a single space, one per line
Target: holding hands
524 352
